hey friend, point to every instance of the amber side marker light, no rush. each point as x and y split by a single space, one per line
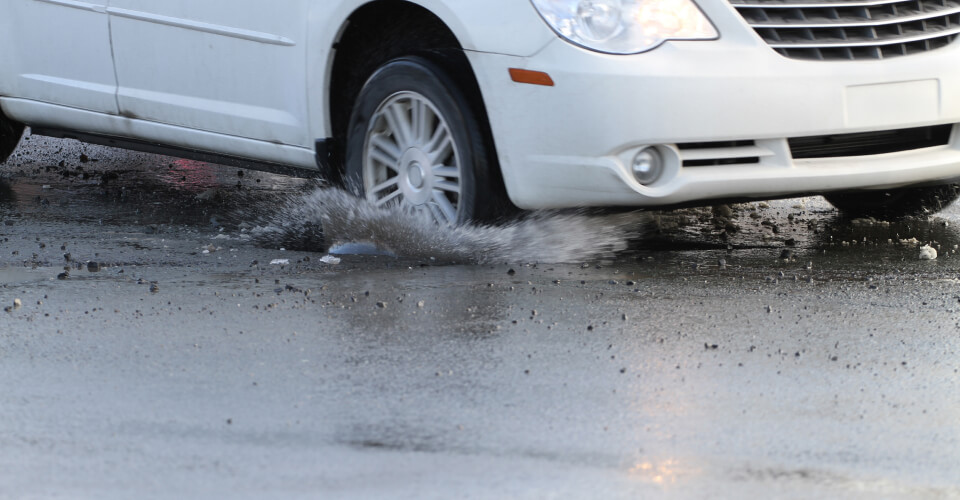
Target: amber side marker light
531 77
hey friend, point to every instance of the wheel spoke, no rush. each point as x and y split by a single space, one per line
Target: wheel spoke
422 120
449 211
387 147
438 134
443 149
399 123
384 159
446 172
393 181
388 199
450 187
437 213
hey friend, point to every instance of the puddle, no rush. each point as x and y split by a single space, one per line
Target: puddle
20 276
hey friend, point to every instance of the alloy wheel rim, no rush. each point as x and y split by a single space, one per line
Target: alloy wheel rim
410 159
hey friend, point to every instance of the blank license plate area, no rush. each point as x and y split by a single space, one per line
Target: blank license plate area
893 104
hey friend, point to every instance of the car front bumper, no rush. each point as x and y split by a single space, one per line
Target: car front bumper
572 144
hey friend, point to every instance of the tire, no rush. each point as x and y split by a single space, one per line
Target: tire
10 134
895 203
415 141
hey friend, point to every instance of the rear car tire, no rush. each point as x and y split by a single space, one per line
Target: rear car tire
895 203
414 141
10 133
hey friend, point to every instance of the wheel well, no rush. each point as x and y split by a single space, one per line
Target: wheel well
10 133
386 29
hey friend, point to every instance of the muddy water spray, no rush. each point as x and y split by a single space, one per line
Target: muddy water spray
328 216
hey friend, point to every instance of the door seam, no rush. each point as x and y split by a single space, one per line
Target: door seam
113 60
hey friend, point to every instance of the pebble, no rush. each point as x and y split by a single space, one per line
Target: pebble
63 276
154 288
93 267
17 303
927 252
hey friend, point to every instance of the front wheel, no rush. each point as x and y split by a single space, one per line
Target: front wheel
415 142
895 203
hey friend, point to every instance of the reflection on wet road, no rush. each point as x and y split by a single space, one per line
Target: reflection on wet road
160 348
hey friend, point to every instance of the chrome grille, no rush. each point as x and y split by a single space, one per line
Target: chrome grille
852 29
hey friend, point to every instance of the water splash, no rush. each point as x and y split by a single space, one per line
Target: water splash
326 216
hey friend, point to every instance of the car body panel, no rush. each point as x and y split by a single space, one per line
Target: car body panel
236 71
62 53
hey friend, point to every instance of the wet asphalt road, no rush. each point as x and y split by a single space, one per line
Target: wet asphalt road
772 351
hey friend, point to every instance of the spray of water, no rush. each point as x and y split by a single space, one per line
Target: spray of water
329 216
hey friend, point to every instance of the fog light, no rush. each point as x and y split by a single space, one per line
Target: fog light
647 166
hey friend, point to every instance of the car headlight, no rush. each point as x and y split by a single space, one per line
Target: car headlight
625 26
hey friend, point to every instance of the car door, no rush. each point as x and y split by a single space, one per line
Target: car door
60 53
234 67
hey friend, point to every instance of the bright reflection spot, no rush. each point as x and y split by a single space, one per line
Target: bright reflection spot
672 18
661 473
190 175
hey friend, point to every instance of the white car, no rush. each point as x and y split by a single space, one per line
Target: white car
462 108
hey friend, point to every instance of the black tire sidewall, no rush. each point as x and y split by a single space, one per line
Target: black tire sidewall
417 74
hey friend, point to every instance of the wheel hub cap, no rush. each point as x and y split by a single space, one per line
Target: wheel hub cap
416 183
415 175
